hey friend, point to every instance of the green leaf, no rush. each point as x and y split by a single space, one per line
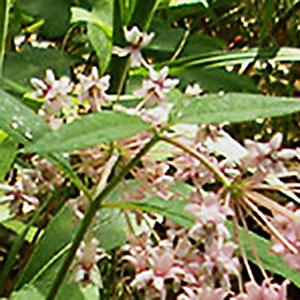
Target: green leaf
28 292
231 107
33 62
101 44
270 262
173 210
111 230
25 126
19 121
68 290
8 151
56 14
234 57
91 130
57 235
215 80
100 34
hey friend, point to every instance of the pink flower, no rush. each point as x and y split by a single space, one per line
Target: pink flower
161 265
203 293
93 89
291 231
86 270
266 291
156 86
54 91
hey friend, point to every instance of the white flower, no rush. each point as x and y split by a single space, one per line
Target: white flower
193 90
87 271
156 86
137 39
54 91
93 89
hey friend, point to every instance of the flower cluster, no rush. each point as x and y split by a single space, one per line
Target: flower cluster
221 179
31 186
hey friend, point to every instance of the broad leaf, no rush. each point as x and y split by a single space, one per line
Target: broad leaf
25 126
91 130
100 34
56 14
231 107
19 121
33 62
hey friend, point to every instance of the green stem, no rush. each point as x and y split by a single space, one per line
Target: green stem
4 16
90 214
199 157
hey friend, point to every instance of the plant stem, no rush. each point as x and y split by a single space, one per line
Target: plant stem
4 16
90 214
200 157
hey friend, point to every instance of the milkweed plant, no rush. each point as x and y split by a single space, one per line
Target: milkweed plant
140 192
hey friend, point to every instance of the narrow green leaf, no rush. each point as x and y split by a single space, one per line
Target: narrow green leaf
271 262
172 210
91 130
231 107
234 57
57 235
8 151
4 16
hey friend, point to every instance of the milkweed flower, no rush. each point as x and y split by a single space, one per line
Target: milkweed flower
54 91
86 270
266 291
137 40
93 89
156 86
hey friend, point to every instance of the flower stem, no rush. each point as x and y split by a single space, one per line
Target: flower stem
4 16
200 157
90 214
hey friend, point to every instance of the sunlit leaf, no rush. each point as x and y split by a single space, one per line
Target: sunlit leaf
19 121
231 107
91 130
